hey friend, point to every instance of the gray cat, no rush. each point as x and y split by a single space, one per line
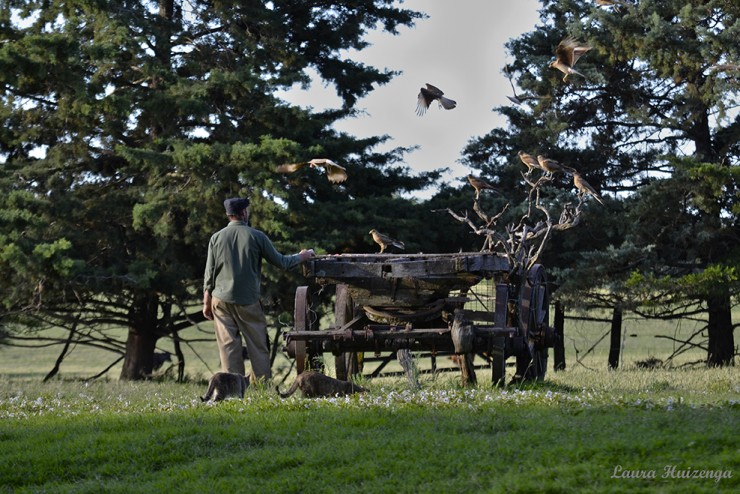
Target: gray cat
225 384
314 384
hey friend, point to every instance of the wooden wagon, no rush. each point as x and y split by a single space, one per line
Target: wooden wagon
424 303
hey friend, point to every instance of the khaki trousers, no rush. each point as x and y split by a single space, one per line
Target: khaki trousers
249 320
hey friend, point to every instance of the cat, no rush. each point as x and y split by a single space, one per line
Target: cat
314 384
225 384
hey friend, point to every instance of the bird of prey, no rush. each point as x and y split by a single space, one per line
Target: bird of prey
518 99
584 187
550 166
480 184
334 172
567 54
530 161
429 94
385 241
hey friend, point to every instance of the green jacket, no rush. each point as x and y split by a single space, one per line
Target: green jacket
234 264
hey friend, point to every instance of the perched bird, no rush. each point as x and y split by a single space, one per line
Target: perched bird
334 172
530 161
480 184
429 94
584 187
550 166
384 240
567 54
518 99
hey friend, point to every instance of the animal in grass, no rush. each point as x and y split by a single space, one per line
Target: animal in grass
385 241
224 385
317 385
335 173
429 94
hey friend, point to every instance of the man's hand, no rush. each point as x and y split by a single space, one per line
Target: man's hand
207 311
306 254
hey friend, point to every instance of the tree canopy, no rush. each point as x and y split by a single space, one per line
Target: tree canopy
653 124
125 126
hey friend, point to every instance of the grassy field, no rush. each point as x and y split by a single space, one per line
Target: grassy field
580 431
585 429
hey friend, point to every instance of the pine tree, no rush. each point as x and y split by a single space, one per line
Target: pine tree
652 123
126 124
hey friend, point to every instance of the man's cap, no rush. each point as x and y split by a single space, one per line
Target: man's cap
235 205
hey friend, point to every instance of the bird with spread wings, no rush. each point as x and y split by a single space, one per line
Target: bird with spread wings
335 173
567 54
430 93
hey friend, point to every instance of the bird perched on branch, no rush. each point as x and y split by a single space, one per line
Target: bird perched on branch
530 161
584 187
518 99
385 241
334 172
550 166
567 54
480 184
429 94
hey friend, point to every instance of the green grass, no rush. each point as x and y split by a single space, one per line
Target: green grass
566 434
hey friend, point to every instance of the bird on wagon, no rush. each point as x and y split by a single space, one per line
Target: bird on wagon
430 93
335 173
567 54
385 241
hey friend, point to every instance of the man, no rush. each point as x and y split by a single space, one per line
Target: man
231 289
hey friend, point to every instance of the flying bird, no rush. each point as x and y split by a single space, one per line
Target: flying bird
429 94
385 241
480 184
530 161
334 172
567 54
550 166
584 187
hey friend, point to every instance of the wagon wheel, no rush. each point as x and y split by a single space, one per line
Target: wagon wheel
306 353
534 316
348 363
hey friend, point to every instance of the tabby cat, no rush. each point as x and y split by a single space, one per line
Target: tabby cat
314 384
225 384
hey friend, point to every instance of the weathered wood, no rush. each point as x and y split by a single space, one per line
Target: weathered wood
558 351
462 333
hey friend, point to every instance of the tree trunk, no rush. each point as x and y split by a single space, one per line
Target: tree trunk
142 339
616 337
721 340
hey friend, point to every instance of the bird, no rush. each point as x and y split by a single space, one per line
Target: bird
429 94
530 161
480 184
550 166
567 53
584 187
518 99
335 173
385 241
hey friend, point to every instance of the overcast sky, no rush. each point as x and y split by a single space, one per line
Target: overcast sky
460 49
